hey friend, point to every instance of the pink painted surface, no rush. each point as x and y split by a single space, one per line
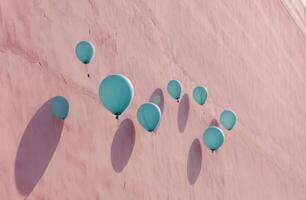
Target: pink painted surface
249 54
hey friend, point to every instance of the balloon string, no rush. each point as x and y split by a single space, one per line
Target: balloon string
153 144
86 71
124 181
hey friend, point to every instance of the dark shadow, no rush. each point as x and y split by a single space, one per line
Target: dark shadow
36 148
194 162
214 122
123 145
183 112
157 97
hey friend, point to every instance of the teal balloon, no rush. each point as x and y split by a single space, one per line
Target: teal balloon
149 115
200 95
213 138
59 107
116 93
228 119
174 89
85 51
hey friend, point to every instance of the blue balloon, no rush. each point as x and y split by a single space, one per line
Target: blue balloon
174 89
59 107
85 51
228 119
116 93
200 94
149 115
213 138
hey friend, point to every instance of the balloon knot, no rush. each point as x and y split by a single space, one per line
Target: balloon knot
117 117
88 75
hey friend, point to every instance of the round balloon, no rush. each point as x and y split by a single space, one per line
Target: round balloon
116 93
85 51
149 116
213 138
228 119
200 94
59 107
174 89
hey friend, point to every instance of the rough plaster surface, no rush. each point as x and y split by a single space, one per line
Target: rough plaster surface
249 54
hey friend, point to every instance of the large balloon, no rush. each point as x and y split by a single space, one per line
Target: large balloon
174 89
213 138
149 116
59 107
200 94
85 51
228 119
116 93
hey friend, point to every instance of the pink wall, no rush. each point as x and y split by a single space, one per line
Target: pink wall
249 54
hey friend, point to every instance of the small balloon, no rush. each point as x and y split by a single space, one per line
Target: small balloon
59 107
200 94
228 119
116 93
149 115
174 89
85 51
213 138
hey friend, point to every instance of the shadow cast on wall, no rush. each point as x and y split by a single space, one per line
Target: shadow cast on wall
157 97
36 148
183 113
194 162
214 122
123 145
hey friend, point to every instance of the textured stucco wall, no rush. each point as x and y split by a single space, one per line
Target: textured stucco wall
249 54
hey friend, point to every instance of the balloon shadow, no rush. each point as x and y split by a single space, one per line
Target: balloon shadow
194 162
214 122
36 148
183 113
157 97
123 145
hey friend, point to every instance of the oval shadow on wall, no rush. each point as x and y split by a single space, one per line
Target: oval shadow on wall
123 145
157 97
183 113
194 162
36 148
